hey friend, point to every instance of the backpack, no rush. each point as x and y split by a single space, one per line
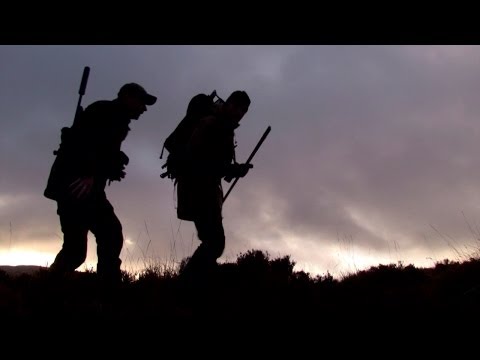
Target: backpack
200 105
67 145
67 139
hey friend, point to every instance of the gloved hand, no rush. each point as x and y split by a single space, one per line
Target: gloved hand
122 159
118 176
117 173
237 171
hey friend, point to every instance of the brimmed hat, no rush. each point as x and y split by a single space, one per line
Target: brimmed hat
133 89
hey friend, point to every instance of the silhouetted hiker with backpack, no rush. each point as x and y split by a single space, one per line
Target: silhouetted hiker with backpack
88 157
200 105
208 156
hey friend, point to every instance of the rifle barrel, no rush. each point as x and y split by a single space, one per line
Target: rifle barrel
83 84
81 91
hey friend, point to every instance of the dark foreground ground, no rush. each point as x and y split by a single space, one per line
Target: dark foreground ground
254 295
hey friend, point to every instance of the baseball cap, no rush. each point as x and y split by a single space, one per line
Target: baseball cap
134 89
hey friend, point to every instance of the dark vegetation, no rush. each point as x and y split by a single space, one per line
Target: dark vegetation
253 289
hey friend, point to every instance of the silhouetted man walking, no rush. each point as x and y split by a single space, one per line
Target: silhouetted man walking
88 157
210 157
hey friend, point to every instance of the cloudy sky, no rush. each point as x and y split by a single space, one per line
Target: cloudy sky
373 157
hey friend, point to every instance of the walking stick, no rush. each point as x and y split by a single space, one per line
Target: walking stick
265 134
